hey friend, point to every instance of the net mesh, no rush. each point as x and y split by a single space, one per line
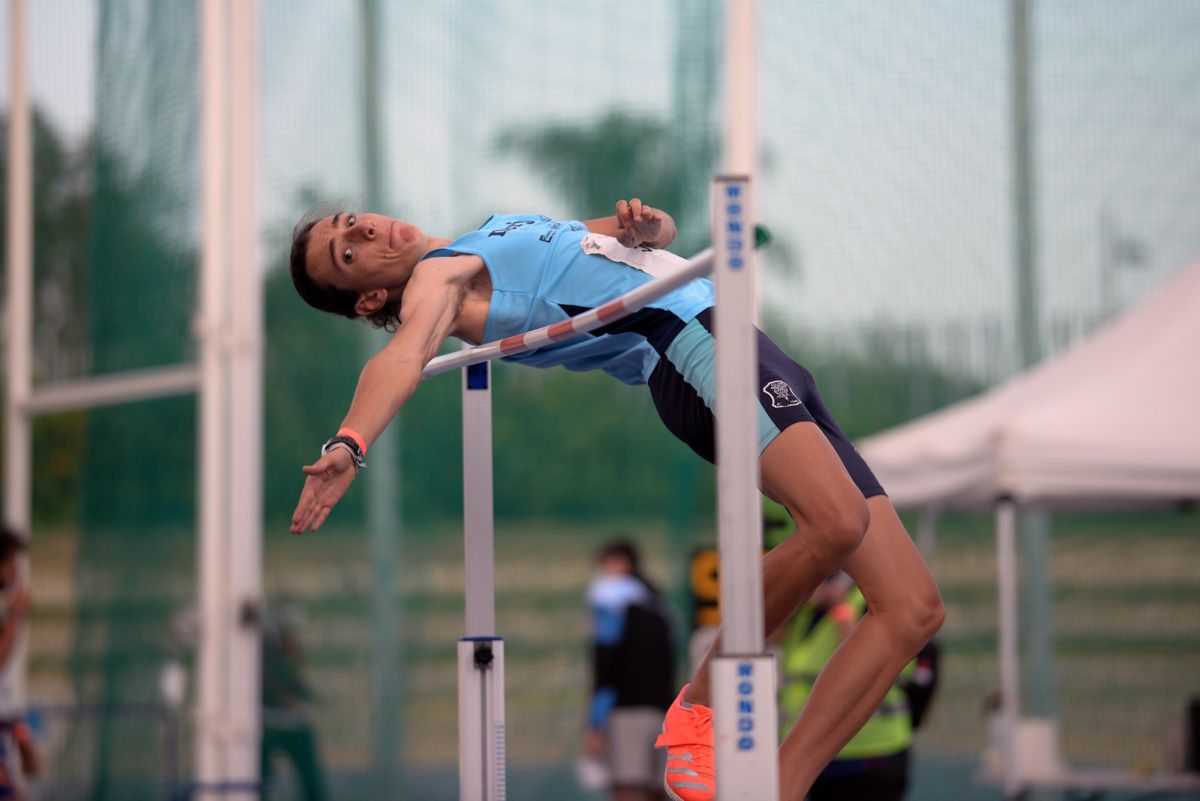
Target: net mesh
886 135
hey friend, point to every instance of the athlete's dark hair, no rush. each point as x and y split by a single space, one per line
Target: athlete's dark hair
324 297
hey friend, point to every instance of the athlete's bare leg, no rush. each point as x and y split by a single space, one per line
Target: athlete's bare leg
801 471
904 612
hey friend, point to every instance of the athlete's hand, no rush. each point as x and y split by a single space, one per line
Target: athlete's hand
640 224
328 479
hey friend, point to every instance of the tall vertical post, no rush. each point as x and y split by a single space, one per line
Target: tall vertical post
481 735
383 479
740 151
1024 214
18 278
743 675
1034 525
243 468
18 383
211 738
230 407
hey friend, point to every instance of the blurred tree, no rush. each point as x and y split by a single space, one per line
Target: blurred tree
592 165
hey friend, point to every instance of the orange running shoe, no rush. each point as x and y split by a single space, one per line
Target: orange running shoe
688 737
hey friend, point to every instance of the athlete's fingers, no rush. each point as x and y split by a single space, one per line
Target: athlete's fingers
623 213
324 513
314 469
635 208
301 508
302 517
303 503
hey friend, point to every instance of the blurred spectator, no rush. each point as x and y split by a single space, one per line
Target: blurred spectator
19 757
874 765
633 673
287 728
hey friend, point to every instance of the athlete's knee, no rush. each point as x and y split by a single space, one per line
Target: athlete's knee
928 612
915 612
837 529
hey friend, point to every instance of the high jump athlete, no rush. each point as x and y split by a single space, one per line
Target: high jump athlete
519 272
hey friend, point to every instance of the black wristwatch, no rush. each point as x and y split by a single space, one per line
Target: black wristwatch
360 460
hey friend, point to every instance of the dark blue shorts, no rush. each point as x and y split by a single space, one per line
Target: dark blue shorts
683 386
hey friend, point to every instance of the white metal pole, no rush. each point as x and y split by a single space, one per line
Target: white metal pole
18 435
481 743
481 733
113 389
743 676
741 88
19 280
243 452
740 151
478 523
211 731
230 407
1010 701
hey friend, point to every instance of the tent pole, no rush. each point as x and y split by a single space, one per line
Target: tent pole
1010 702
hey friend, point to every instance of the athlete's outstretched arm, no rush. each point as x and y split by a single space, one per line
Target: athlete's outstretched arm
388 380
635 224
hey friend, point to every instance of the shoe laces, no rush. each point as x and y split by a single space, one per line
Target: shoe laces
698 731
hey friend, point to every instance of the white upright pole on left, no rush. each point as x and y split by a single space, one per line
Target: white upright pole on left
211 731
243 454
19 270
18 439
481 743
230 408
19 278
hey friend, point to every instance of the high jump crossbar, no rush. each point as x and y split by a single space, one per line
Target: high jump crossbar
582 323
743 680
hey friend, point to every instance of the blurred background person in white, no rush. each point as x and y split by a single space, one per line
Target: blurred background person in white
633 673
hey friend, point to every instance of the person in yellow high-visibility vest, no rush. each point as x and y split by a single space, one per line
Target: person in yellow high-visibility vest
873 766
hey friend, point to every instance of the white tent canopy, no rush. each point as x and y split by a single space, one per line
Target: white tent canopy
1113 420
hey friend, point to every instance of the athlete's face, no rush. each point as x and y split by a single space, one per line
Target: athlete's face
364 252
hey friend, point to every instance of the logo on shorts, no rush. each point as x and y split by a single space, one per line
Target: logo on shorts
782 396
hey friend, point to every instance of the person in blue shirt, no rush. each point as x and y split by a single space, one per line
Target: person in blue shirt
517 272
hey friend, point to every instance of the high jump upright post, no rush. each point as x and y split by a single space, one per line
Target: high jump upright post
481 751
743 674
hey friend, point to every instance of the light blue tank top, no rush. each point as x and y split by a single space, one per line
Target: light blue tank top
541 275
